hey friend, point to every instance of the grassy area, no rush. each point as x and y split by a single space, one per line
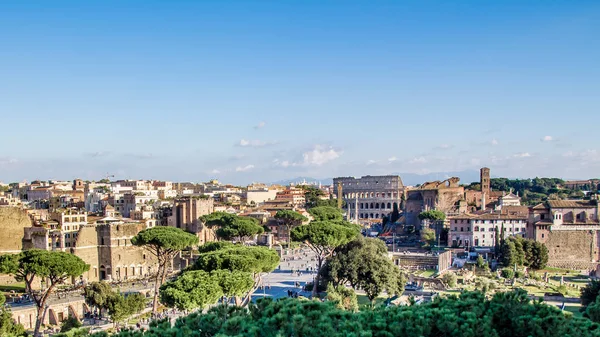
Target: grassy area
557 270
74 331
18 287
363 300
428 273
572 308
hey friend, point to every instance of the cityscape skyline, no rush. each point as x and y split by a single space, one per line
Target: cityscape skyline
248 91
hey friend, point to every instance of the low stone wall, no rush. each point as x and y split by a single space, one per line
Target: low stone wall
573 265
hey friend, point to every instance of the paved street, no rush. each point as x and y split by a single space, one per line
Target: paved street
282 279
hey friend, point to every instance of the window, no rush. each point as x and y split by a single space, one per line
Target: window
461 229
456 229
468 229
542 235
542 216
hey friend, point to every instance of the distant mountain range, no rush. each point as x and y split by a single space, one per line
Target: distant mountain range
466 177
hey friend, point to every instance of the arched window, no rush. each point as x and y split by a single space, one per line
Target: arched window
477 228
376 216
371 216
377 205
361 205
366 205
389 205
372 205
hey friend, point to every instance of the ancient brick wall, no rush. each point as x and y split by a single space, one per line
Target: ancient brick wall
13 222
572 249
87 250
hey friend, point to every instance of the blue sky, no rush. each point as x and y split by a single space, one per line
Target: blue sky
266 90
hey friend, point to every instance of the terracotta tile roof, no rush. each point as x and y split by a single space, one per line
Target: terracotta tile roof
572 203
539 206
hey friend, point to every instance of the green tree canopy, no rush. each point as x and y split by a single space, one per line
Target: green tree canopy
218 219
232 227
349 261
427 237
322 237
164 243
364 264
238 258
471 314
191 290
432 215
523 252
8 326
345 298
215 245
234 284
240 230
235 259
326 213
96 294
56 267
450 279
122 307
590 293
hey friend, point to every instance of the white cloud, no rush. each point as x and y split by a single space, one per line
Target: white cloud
494 142
245 168
371 162
418 160
392 159
319 155
522 155
215 171
547 139
8 161
443 147
260 125
98 154
254 143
